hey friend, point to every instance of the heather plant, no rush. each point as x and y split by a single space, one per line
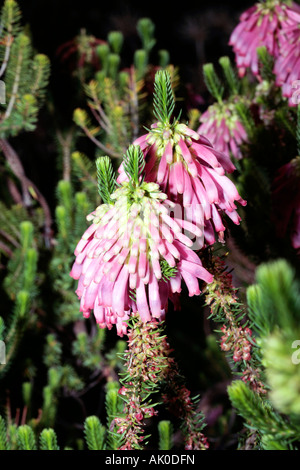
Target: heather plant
155 304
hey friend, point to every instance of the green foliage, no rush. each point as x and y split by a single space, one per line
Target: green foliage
163 98
212 81
165 431
26 438
134 163
94 433
274 312
114 407
106 178
20 284
10 20
3 437
67 358
230 75
48 440
166 270
274 301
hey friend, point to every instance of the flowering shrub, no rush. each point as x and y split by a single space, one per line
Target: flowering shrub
152 301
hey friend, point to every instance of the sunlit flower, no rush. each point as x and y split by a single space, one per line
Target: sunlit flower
134 257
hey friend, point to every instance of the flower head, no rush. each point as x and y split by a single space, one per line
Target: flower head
221 126
260 25
188 168
192 173
287 65
134 255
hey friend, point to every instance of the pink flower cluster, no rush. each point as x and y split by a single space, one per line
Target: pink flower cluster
287 65
236 340
275 25
222 127
192 172
118 259
142 245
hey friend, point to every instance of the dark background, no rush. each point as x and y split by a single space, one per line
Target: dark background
192 32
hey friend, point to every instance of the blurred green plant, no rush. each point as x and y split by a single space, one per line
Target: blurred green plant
274 309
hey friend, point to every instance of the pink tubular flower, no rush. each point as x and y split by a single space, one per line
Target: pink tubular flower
287 65
222 127
260 25
134 256
192 174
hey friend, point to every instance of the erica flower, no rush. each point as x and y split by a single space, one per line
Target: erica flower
134 256
221 126
286 201
190 171
260 25
287 65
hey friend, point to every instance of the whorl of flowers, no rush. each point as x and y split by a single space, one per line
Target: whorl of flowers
261 25
287 65
134 255
221 125
188 168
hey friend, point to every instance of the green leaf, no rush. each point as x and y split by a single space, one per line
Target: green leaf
258 413
106 178
94 433
230 75
163 98
275 300
213 82
145 28
3 433
166 270
244 114
115 40
48 440
165 430
26 438
134 163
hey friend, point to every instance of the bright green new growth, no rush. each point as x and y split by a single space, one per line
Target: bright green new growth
163 98
165 431
167 271
3 439
260 415
134 163
274 302
25 74
26 438
230 75
106 178
274 311
213 82
94 433
20 284
48 440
